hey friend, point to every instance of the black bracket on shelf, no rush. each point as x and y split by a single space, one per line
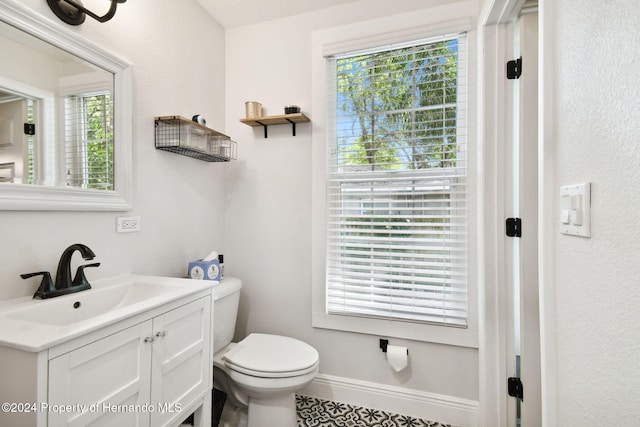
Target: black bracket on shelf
293 125
264 127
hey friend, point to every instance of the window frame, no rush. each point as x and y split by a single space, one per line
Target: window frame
361 36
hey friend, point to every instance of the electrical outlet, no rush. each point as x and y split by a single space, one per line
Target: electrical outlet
127 224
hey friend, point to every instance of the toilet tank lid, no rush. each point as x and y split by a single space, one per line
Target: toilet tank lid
272 353
227 285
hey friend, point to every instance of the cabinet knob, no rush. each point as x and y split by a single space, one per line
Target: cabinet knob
161 334
149 339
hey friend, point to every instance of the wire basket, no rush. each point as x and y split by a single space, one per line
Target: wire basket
188 138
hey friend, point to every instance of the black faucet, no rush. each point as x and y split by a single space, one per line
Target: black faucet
63 276
64 285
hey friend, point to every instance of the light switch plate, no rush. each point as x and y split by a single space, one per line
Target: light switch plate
575 200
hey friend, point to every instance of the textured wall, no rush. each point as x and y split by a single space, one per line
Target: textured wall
596 280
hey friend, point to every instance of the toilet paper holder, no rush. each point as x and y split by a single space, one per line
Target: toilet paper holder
384 343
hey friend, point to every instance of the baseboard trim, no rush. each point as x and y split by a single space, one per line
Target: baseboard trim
399 400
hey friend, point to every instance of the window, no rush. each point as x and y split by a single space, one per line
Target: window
89 140
397 183
30 174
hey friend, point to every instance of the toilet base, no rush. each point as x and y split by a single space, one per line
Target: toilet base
277 411
233 416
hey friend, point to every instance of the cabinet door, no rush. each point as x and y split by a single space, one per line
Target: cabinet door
181 369
95 384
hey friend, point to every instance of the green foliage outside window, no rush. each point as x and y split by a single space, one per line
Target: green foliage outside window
397 109
99 125
89 135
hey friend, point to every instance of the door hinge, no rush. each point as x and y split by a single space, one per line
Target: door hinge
515 388
29 129
514 227
514 68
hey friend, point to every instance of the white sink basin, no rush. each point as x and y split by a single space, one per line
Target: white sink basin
33 325
72 308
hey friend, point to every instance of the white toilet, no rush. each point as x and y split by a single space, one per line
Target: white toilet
262 372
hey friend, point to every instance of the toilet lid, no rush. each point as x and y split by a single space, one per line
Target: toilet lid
271 354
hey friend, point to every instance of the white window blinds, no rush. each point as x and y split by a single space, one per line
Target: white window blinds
89 140
396 232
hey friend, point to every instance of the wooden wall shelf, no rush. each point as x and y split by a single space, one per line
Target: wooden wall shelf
283 119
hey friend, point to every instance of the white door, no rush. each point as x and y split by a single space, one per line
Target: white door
522 270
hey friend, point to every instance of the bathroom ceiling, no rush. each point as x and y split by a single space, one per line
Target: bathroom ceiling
237 13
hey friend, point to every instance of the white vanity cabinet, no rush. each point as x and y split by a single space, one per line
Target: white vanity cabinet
106 374
182 363
153 369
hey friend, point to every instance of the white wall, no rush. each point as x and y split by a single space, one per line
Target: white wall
269 204
593 283
180 200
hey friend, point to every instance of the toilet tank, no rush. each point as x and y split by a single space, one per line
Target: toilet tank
226 298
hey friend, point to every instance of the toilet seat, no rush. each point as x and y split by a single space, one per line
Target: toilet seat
262 374
271 356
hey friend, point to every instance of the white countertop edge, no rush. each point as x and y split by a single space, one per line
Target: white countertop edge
36 337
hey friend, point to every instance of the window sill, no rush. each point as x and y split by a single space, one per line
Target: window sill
461 337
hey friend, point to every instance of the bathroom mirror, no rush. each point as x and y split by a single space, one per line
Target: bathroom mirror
65 118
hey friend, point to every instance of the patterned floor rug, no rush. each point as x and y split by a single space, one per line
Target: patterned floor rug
314 412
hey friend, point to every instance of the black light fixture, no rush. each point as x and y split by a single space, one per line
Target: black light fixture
74 13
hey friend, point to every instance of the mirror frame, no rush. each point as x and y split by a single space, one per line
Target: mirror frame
40 197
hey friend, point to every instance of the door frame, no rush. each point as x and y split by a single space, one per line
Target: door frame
546 210
495 104
525 202
492 390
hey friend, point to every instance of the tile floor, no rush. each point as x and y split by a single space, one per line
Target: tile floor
314 412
